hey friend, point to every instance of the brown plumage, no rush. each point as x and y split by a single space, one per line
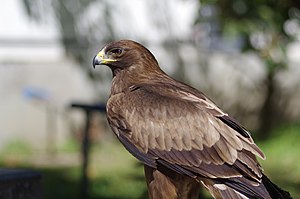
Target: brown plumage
179 134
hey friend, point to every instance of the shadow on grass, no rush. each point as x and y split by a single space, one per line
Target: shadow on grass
64 183
58 183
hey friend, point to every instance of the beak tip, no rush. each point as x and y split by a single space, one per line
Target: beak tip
95 62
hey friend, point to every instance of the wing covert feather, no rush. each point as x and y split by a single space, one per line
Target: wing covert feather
183 130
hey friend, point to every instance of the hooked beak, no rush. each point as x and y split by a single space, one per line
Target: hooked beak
102 59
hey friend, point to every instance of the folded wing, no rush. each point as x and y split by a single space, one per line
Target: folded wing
178 127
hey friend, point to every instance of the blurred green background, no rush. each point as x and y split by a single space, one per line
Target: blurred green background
245 55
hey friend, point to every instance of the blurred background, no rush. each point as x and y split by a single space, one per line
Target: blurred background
245 55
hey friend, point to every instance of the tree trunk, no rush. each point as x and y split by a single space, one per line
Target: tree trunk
267 113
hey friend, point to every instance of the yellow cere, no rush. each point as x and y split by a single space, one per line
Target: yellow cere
100 57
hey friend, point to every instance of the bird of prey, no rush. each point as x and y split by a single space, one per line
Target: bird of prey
180 135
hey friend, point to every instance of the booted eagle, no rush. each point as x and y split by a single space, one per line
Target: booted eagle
179 134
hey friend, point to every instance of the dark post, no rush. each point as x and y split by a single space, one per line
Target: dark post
85 155
88 109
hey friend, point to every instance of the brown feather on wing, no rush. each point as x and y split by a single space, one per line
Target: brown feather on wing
182 131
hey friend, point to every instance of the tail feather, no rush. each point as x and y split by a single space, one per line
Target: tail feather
274 190
247 187
244 188
220 191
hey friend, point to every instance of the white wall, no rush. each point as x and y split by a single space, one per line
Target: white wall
32 60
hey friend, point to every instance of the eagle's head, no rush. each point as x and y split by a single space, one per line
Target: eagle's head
128 55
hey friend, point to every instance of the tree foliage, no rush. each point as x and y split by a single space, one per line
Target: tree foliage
263 26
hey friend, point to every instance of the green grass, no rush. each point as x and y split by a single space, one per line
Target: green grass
16 146
115 173
70 146
283 158
60 182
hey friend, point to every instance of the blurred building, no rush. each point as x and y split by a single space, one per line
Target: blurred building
37 79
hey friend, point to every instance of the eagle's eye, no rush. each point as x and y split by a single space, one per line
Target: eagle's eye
116 51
